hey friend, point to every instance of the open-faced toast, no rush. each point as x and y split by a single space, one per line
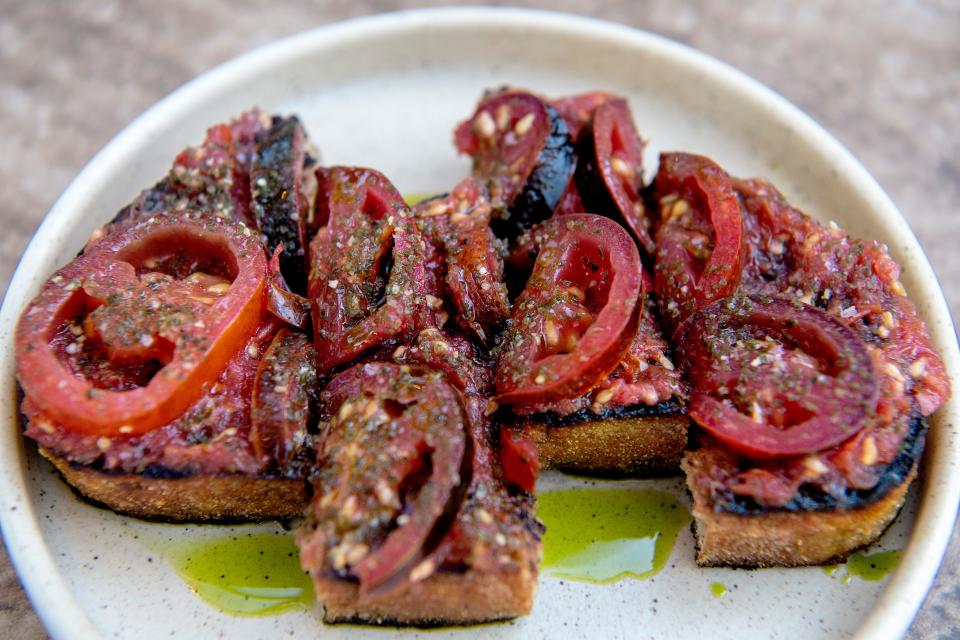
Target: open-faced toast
811 378
158 376
551 311
811 529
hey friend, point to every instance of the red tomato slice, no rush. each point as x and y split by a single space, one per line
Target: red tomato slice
523 151
281 302
393 471
518 455
214 176
700 238
368 281
609 174
158 291
774 378
458 226
577 110
283 396
577 315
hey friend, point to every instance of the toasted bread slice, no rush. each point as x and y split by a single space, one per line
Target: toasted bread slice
633 441
806 533
196 498
444 598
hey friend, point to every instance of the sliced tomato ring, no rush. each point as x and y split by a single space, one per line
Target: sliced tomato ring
609 175
368 282
146 294
283 397
393 471
773 378
577 314
522 147
701 249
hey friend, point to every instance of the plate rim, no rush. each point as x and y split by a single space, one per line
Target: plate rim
53 600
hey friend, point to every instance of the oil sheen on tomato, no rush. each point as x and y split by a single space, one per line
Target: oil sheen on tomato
255 574
604 535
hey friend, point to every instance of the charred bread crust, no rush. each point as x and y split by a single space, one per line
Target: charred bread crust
812 529
636 440
789 538
445 598
895 474
180 498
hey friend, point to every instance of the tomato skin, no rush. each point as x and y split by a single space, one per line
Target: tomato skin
577 110
281 302
609 173
283 397
212 437
826 384
577 314
197 353
468 258
700 247
214 176
522 149
376 517
518 455
369 282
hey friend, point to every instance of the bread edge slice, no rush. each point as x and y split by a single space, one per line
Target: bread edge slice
196 498
445 598
786 538
630 446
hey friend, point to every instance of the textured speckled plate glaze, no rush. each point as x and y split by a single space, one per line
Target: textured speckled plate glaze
386 92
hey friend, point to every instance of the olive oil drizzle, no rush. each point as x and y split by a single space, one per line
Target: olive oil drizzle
872 567
603 535
245 574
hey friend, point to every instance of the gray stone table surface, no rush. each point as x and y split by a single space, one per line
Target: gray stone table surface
883 77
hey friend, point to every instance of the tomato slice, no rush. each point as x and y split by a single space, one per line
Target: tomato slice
577 314
214 176
458 225
182 290
701 250
518 455
521 146
368 281
283 398
283 303
577 110
773 378
609 174
393 470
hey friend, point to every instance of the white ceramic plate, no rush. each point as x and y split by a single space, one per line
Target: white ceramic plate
386 92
